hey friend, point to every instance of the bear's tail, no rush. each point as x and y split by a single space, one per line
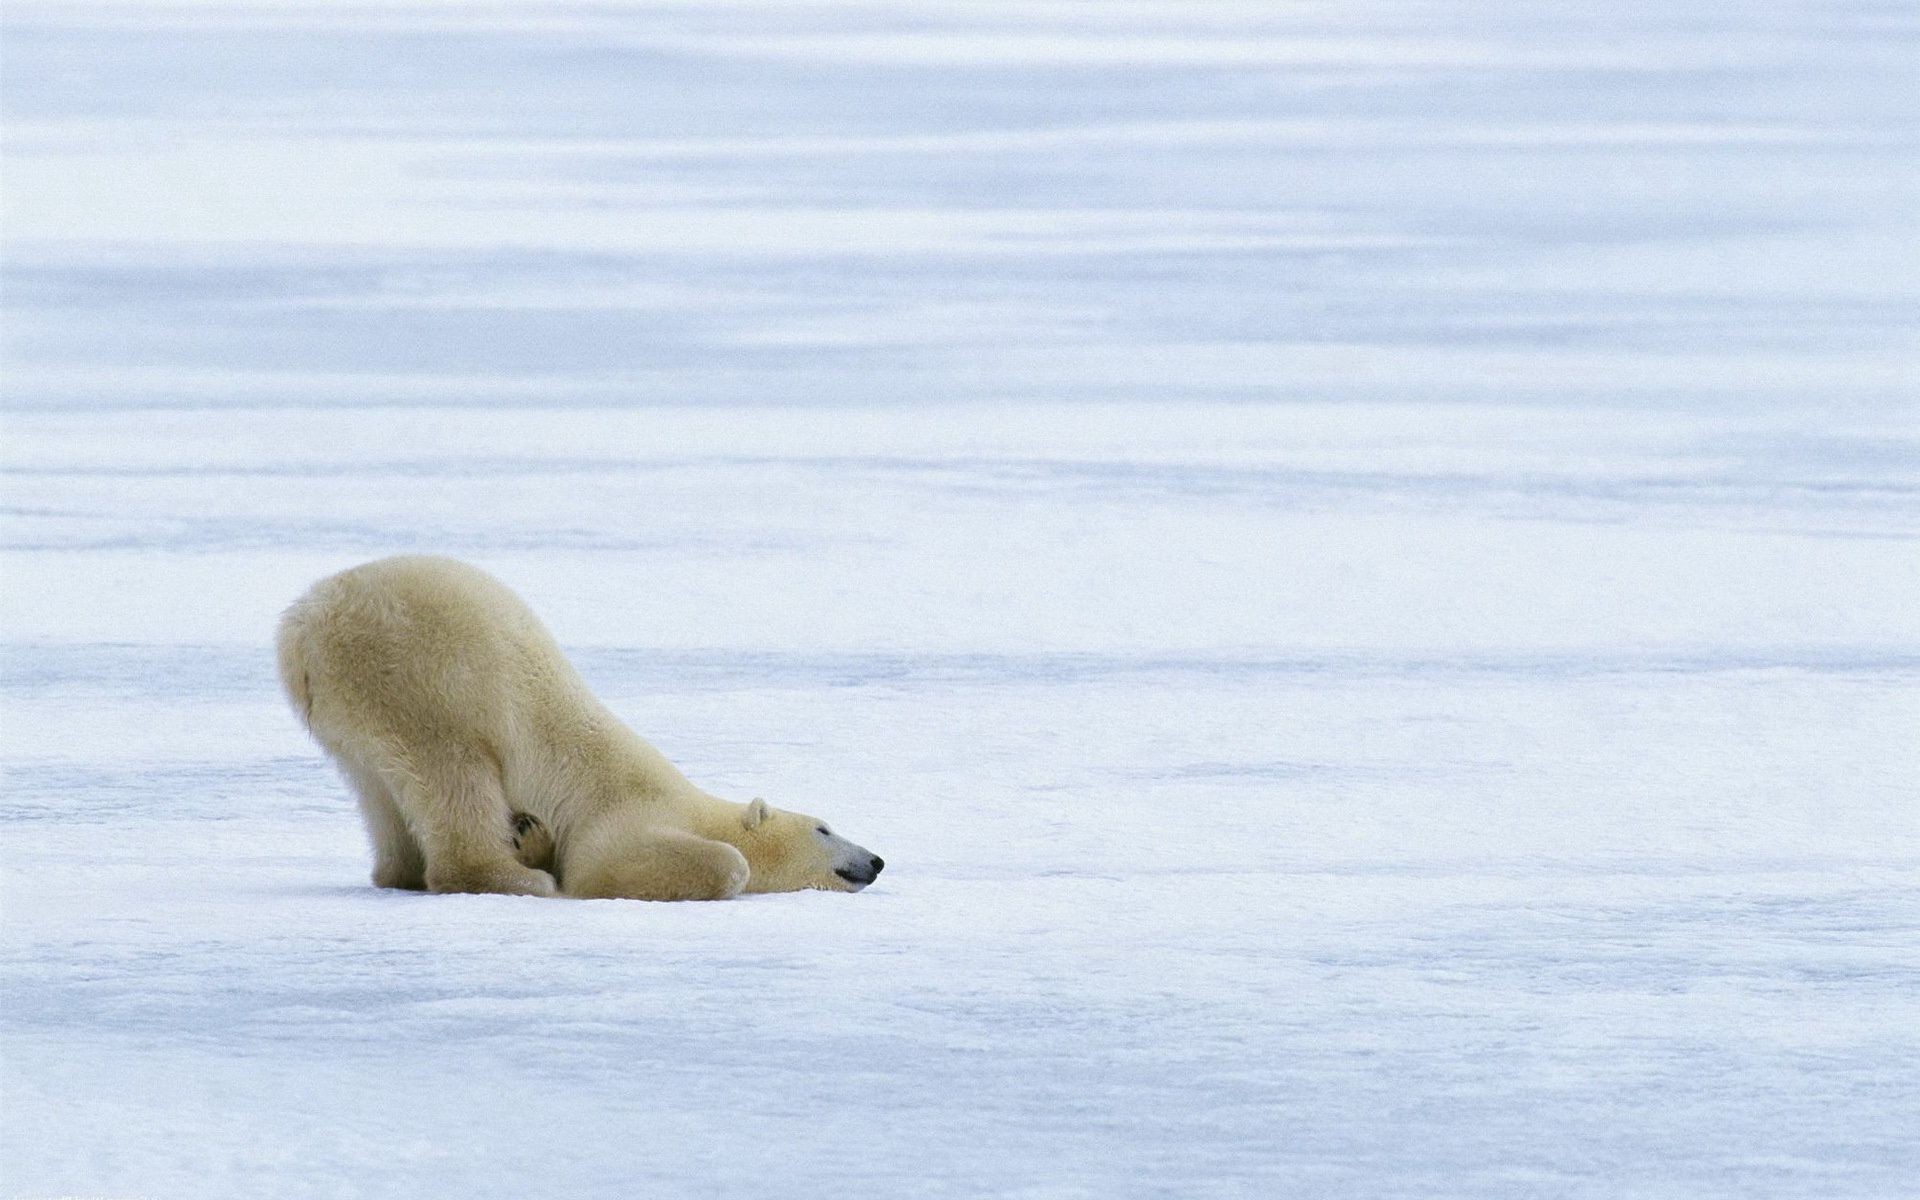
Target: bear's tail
296 677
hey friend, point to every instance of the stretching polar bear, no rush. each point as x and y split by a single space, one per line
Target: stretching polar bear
480 757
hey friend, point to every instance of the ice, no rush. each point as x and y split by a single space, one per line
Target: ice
1357 561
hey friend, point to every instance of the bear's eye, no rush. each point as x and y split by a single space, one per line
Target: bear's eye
825 832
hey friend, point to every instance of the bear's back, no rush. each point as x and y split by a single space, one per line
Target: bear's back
425 645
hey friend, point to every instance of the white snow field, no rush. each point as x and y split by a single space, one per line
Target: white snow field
1360 562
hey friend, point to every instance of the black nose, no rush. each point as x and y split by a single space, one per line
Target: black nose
878 864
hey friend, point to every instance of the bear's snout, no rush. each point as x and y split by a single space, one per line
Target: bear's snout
875 864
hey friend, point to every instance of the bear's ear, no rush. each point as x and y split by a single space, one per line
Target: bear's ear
756 813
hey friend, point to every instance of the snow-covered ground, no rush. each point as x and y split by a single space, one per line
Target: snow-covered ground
1360 562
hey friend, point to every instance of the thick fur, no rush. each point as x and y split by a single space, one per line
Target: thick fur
483 764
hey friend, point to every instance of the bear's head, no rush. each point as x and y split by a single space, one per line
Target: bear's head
791 852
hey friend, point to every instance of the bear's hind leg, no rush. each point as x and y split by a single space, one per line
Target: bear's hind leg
458 809
397 860
623 863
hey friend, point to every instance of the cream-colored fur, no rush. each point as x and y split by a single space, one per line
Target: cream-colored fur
483 764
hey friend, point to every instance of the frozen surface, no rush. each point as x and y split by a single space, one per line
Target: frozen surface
1361 563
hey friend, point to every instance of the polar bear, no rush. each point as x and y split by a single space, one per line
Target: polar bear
483 764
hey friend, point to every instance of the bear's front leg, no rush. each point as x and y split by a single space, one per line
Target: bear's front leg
637 864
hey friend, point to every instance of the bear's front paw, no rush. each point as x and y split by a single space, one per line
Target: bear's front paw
532 842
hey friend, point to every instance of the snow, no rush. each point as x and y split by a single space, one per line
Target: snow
1357 561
